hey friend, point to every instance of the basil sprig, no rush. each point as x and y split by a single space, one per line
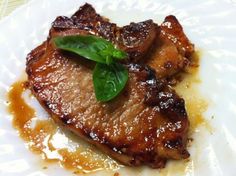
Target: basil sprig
109 76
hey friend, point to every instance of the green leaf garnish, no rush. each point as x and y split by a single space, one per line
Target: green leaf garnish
109 80
91 47
109 77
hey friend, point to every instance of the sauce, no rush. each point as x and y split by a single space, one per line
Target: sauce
54 145
46 138
195 104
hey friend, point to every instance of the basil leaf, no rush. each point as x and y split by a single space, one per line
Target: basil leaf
109 77
109 81
90 47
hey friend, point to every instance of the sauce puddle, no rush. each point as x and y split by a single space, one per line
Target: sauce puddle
195 104
44 137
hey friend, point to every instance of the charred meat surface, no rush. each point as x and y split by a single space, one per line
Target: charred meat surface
165 48
136 39
147 123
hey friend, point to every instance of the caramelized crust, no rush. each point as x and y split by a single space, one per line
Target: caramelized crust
137 38
172 51
165 48
85 20
172 29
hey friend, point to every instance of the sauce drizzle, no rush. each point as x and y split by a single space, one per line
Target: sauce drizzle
46 138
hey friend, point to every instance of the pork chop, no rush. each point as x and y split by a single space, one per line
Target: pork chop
146 124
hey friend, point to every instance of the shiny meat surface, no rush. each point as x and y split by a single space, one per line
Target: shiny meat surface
146 124
136 39
172 50
172 29
165 48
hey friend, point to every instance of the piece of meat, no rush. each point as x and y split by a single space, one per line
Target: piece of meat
147 123
166 59
87 20
136 39
166 48
172 51
172 29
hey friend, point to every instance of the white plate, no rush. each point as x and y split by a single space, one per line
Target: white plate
210 25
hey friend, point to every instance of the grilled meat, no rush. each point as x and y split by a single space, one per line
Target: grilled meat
165 48
172 50
147 123
136 39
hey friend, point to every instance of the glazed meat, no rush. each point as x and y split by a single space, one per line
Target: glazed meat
147 123
172 50
136 39
165 48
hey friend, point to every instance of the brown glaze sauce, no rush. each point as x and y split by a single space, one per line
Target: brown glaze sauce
195 104
43 137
